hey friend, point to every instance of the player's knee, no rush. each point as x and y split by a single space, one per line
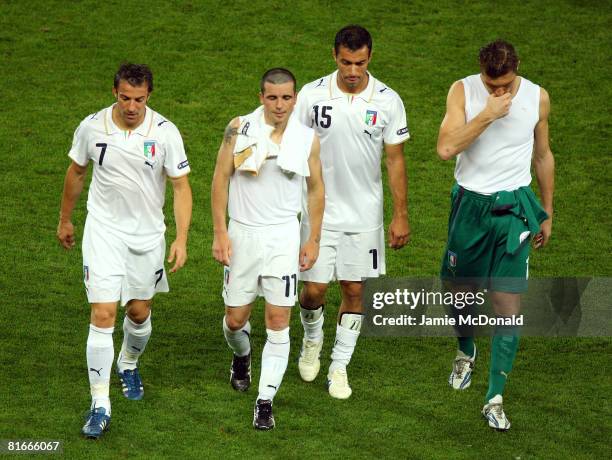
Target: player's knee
103 315
139 311
235 322
313 294
506 304
140 316
351 295
277 322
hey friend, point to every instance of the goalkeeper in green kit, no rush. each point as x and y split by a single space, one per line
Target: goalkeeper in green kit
496 125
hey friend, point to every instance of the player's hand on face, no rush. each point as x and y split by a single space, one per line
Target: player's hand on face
178 254
541 239
308 255
399 232
222 248
499 105
65 234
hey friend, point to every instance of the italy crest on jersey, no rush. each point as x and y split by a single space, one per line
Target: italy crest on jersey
370 117
452 259
149 150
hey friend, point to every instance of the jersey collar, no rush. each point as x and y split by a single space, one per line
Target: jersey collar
143 129
335 92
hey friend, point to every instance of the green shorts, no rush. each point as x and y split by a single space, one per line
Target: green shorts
488 243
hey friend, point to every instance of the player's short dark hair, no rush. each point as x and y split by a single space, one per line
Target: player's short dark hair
353 37
135 75
498 58
277 76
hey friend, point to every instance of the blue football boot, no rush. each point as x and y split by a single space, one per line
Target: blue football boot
131 384
97 423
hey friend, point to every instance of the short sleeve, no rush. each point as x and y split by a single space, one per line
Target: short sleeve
302 108
396 131
175 162
78 152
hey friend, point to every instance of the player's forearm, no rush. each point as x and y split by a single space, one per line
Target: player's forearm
545 173
73 186
219 203
316 207
398 183
455 141
183 204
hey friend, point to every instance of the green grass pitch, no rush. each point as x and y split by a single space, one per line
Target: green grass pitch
57 63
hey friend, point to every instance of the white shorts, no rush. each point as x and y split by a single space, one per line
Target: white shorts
347 256
112 271
264 262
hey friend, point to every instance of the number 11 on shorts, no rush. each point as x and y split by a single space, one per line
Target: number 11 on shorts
287 279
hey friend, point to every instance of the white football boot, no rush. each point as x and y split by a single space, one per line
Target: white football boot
309 362
460 377
494 413
337 384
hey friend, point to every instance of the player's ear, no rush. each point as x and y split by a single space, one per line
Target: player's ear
115 94
261 98
334 52
517 66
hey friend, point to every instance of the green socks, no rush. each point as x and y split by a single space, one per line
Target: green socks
504 345
466 345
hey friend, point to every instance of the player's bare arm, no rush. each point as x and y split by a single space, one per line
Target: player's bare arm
73 186
309 253
183 204
224 168
544 165
399 229
455 134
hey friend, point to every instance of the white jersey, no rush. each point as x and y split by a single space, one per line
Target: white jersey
127 191
271 197
353 129
500 158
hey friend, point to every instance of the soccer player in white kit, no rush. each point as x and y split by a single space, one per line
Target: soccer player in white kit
496 125
133 150
264 159
357 117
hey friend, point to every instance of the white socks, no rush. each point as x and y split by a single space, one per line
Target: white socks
273 363
347 333
312 320
100 354
135 338
239 341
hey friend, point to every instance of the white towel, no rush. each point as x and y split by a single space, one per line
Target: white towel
251 148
